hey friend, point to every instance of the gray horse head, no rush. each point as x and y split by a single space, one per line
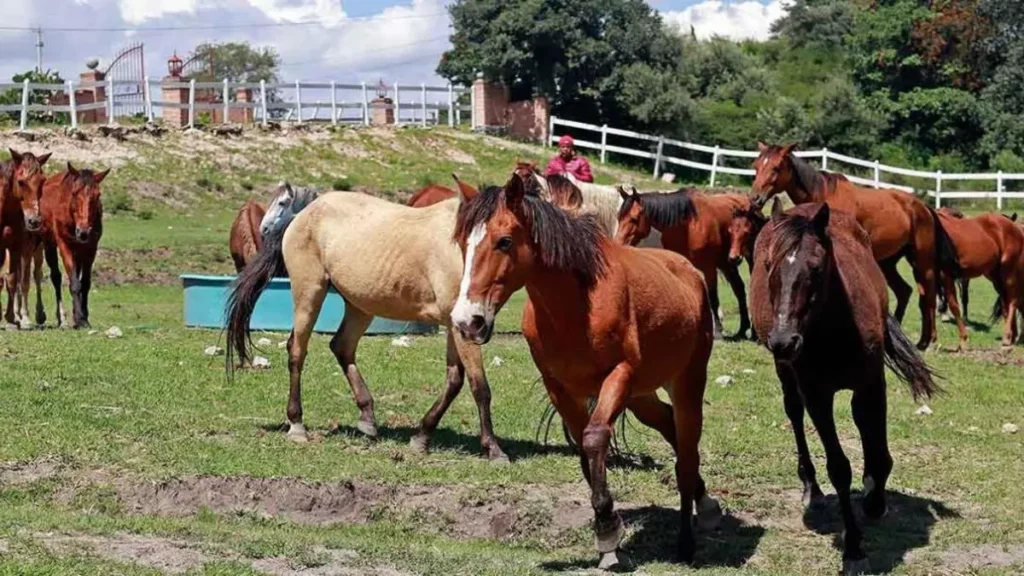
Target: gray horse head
288 202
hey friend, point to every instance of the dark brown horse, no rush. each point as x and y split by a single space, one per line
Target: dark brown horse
899 225
429 195
602 320
21 182
695 225
245 240
72 227
820 305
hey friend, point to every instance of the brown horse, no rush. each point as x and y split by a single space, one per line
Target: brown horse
602 320
695 225
72 227
820 305
989 245
245 240
899 225
746 225
21 181
429 195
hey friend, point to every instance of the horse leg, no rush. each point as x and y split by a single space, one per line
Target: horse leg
85 280
307 298
26 270
472 359
456 377
899 286
74 283
50 252
574 416
923 262
343 345
732 275
1011 288
965 295
597 437
711 280
794 405
820 409
869 413
13 286
954 306
37 273
750 272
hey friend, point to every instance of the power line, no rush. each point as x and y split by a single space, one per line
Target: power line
227 26
386 50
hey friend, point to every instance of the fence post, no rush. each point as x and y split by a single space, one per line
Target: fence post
398 107
604 142
938 189
192 103
110 102
148 96
451 106
657 156
999 191
472 108
824 158
366 106
24 104
878 178
263 100
72 105
298 102
551 130
423 104
334 103
714 165
227 104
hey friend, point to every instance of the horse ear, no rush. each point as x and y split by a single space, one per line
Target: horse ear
820 220
42 159
71 169
16 156
788 149
515 190
777 211
622 192
98 177
466 192
761 146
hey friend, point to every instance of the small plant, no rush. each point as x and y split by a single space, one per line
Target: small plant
146 214
342 184
203 182
118 202
247 186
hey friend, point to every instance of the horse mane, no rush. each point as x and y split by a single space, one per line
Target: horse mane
664 210
564 241
85 176
787 234
563 192
811 179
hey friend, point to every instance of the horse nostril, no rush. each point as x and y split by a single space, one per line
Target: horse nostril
477 323
785 345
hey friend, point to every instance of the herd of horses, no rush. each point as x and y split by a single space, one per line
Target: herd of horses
623 301
57 217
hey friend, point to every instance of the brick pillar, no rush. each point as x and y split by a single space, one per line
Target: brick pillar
99 94
381 111
490 102
176 117
242 115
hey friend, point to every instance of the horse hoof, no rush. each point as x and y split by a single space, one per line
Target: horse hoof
857 567
297 434
609 541
499 459
367 428
615 561
419 443
813 499
947 317
709 513
11 327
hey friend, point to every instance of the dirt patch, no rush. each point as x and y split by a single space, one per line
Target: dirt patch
98 151
19 473
963 559
326 563
456 155
995 356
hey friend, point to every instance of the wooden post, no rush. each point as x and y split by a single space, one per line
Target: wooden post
192 103
263 100
451 106
148 95
878 175
938 189
551 130
334 103
110 102
657 156
999 191
398 107
604 142
24 104
714 165
423 104
824 158
73 105
298 102
366 106
227 104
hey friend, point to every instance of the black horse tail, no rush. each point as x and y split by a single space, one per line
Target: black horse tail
245 290
902 358
947 260
548 417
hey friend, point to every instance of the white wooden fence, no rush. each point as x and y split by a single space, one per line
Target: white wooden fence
656 150
420 104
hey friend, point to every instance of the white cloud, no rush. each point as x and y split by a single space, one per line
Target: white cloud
139 11
747 19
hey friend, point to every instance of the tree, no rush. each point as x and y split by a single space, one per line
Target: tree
238 62
821 23
13 95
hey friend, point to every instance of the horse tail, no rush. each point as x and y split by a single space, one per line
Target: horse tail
902 358
243 293
947 260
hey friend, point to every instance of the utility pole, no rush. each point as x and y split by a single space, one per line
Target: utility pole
39 49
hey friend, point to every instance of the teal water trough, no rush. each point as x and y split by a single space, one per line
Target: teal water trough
205 297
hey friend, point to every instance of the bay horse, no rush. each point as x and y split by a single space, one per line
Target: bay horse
72 214
820 305
899 225
602 320
989 245
245 239
383 259
695 225
430 195
21 182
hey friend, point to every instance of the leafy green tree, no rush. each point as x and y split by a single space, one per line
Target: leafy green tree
820 23
13 95
238 62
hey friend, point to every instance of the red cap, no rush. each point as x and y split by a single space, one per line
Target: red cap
565 141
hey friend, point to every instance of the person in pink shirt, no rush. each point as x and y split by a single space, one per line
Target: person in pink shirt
568 160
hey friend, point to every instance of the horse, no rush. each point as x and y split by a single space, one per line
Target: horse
287 203
747 223
430 195
820 304
245 239
989 245
899 225
602 320
692 224
72 227
21 182
383 259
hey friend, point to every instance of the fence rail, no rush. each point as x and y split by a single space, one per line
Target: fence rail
655 150
289 100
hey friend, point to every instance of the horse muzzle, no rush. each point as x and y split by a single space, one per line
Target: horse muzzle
477 330
785 345
82 235
33 223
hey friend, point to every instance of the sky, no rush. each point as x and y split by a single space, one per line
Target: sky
351 40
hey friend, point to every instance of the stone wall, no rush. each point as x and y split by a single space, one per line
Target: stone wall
523 119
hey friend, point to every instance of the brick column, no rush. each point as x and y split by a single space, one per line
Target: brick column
381 111
175 117
490 102
242 115
99 94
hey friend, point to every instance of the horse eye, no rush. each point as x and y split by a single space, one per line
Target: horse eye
504 243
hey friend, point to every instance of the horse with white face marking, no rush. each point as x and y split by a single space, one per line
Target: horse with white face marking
384 259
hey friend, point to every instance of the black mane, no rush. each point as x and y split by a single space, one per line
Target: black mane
787 234
664 210
810 178
563 241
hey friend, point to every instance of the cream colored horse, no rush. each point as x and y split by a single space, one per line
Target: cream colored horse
384 259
